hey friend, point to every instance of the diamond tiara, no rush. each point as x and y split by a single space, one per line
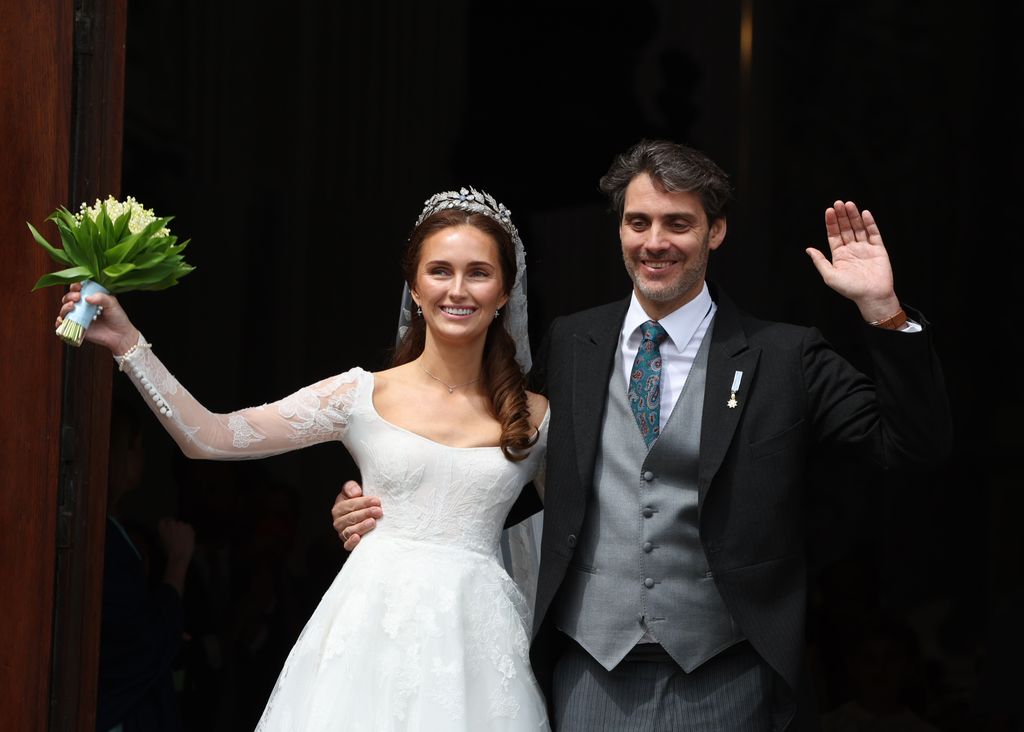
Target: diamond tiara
474 201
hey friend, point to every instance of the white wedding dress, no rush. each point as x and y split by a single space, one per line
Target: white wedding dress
423 629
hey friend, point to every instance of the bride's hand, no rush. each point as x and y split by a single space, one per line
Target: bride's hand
111 329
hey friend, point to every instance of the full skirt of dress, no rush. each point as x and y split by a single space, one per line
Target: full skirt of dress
413 636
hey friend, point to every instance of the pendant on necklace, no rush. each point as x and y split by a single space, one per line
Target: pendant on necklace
450 387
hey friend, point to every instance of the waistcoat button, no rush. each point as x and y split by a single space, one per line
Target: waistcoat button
572 540
648 476
648 583
648 547
648 513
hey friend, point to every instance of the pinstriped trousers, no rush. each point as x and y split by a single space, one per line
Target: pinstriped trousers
729 693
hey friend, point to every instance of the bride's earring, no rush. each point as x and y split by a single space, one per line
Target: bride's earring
419 311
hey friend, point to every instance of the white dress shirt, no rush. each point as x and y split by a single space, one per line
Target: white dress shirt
686 328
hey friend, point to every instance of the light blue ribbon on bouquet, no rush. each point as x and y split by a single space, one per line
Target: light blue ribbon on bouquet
83 312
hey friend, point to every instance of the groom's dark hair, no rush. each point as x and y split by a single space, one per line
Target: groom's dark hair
672 167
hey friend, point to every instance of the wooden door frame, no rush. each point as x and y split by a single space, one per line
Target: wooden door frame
62 89
95 172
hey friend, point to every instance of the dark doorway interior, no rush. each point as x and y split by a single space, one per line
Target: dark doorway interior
296 147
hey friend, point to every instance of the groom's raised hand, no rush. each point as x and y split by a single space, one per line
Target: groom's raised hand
354 514
859 268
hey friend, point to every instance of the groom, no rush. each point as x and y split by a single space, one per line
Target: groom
672 583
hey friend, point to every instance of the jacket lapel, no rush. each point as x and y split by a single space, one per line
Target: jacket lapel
594 350
729 353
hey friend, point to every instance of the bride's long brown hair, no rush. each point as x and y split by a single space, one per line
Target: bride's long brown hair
500 373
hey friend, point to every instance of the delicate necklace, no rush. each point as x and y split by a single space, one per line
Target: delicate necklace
451 387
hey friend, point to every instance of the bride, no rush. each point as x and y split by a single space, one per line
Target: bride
422 629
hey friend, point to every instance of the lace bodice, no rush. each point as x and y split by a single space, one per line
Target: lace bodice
448 495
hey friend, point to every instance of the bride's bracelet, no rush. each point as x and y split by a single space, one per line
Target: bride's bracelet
124 361
125 358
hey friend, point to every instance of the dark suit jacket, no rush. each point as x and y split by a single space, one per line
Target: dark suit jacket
797 396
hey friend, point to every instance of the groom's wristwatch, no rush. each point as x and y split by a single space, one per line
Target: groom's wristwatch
893 322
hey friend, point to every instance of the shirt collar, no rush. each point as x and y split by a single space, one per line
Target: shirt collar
680 324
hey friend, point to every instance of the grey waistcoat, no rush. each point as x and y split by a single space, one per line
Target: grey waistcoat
639 568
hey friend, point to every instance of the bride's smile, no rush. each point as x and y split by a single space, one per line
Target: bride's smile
459 284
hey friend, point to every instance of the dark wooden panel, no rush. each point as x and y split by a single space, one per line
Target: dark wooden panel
97 124
35 95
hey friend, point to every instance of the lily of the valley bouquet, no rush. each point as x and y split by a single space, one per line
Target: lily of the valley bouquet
110 247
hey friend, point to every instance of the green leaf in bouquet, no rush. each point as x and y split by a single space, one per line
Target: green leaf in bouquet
146 261
168 282
121 251
63 216
58 255
80 243
114 230
137 278
106 228
69 239
117 270
162 244
171 272
121 227
64 277
157 225
130 248
177 248
88 236
158 277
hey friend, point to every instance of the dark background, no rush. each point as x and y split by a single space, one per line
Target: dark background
296 142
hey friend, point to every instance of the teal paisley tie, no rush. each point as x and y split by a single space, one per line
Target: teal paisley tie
645 381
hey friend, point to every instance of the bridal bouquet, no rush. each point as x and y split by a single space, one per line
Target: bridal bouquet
110 247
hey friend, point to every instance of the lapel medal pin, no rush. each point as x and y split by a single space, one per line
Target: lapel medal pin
736 379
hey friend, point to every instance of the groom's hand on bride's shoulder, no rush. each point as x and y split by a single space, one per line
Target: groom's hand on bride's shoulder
354 514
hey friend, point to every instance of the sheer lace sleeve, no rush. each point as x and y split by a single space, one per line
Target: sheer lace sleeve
313 414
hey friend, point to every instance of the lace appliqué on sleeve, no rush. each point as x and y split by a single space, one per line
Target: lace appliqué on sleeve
243 434
310 418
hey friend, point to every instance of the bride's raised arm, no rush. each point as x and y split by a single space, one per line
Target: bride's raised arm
313 414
